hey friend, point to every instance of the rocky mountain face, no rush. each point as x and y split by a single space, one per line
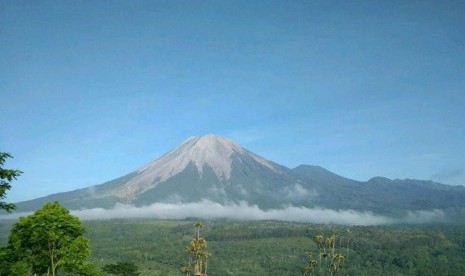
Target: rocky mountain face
215 168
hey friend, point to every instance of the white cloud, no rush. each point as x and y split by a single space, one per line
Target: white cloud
243 211
422 216
298 192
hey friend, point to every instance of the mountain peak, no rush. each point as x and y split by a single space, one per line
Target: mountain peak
209 150
211 143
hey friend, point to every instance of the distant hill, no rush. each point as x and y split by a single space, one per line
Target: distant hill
215 168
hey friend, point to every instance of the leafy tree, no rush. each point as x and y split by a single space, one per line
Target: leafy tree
9 266
6 176
198 255
50 239
122 269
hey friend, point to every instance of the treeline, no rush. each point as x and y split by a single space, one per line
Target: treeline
275 247
278 248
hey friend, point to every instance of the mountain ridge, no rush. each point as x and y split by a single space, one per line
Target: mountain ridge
215 168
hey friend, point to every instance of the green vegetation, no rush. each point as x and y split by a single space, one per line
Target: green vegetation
122 269
45 242
6 176
274 247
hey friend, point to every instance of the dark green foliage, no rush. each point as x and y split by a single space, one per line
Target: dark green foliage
46 241
122 269
6 176
276 248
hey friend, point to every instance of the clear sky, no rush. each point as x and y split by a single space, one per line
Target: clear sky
92 90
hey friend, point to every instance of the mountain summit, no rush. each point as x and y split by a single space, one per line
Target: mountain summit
214 168
214 152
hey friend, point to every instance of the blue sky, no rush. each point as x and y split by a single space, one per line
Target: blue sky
91 90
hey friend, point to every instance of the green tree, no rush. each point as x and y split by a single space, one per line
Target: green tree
9 266
6 176
198 255
50 239
122 269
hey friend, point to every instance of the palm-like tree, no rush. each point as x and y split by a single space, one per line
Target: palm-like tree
328 258
197 251
198 225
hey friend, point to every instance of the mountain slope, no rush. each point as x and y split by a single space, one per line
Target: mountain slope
380 194
207 167
212 152
215 168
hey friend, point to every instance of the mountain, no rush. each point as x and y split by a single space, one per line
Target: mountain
215 168
382 195
207 167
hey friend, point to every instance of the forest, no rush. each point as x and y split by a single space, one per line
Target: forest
156 247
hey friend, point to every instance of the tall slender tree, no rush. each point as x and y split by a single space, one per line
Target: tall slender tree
329 261
197 254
